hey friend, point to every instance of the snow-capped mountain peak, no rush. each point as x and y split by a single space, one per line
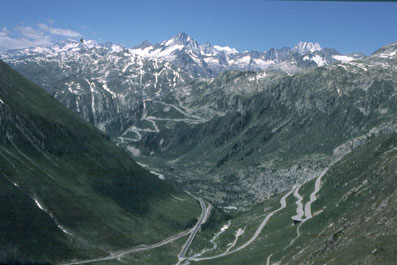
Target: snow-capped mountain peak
226 49
307 47
167 50
75 46
388 51
69 45
207 49
90 44
143 45
205 60
208 60
181 39
66 45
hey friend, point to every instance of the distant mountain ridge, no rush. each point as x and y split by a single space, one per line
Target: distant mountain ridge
104 83
205 60
212 130
208 60
108 83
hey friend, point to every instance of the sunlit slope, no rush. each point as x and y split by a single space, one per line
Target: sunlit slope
352 218
67 192
357 221
276 130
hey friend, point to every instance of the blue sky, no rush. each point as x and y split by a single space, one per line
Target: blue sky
242 24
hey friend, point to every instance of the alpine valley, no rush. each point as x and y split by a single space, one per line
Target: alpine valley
290 153
198 113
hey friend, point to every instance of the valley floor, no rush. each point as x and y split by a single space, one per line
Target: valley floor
317 222
232 247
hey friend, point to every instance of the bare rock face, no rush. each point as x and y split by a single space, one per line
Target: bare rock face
259 132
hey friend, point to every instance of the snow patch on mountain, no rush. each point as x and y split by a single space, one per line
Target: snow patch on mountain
319 60
264 63
226 49
387 54
210 60
343 58
307 47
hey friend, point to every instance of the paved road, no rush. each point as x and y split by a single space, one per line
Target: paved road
253 238
181 111
308 209
203 218
119 254
313 197
299 205
268 259
307 212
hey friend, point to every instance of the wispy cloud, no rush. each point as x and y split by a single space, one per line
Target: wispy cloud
3 32
27 36
59 31
30 33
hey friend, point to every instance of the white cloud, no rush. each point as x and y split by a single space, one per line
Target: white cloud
27 36
4 32
7 42
13 43
59 31
30 33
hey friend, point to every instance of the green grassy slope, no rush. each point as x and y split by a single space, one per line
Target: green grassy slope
354 217
358 201
86 185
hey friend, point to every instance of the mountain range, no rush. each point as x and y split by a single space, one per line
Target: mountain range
205 60
203 132
296 161
209 60
109 84
262 133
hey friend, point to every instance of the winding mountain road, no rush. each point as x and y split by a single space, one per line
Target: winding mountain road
308 209
203 218
178 108
191 232
206 211
313 196
120 254
254 237
299 205
299 216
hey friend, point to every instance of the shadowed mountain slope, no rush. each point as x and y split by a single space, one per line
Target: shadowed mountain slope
67 191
